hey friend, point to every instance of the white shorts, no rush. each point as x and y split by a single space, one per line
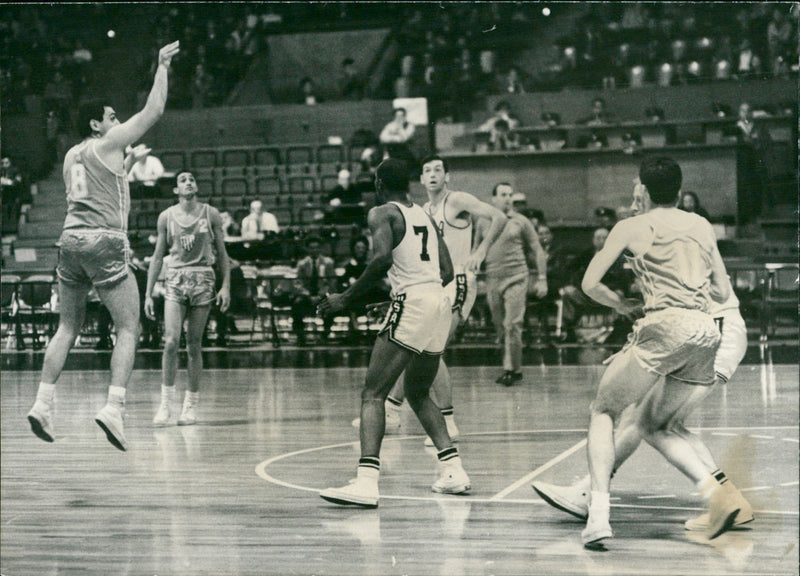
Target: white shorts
462 292
732 345
419 319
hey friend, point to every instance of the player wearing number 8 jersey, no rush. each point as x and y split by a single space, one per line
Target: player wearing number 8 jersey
94 250
407 245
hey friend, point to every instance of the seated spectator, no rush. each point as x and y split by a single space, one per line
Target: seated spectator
229 226
240 304
316 277
510 83
308 92
606 216
575 302
9 174
396 135
691 203
353 268
599 114
146 168
344 202
501 128
201 87
258 222
351 84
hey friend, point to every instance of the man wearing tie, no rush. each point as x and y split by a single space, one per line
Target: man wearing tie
316 277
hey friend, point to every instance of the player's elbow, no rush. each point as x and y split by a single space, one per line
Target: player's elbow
588 285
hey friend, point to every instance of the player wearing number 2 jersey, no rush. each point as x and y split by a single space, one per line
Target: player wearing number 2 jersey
407 245
94 250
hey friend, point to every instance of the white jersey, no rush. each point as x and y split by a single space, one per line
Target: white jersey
457 238
415 260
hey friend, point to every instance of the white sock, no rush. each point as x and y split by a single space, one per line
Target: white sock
167 393
601 500
191 398
450 420
116 396
707 485
46 392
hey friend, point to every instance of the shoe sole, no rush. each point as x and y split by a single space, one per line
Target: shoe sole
704 527
110 435
162 424
185 423
463 489
594 540
38 429
556 504
343 502
727 525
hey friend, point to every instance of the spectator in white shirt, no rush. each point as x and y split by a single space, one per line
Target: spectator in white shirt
146 169
255 224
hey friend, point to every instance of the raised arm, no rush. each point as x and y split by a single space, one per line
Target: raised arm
462 202
155 265
224 294
125 134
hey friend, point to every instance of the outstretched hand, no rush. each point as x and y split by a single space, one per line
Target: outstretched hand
331 304
166 54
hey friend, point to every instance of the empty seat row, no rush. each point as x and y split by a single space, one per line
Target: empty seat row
290 155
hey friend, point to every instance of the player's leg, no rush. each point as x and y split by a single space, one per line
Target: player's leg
623 383
515 297
195 327
174 314
661 406
574 499
72 299
387 362
122 301
420 374
441 389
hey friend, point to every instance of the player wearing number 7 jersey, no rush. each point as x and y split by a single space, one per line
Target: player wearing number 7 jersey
407 244
94 251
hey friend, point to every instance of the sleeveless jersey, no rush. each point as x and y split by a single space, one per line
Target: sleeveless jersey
97 197
190 244
415 260
675 271
457 238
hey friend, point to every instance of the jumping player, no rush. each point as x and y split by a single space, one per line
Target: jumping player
94 251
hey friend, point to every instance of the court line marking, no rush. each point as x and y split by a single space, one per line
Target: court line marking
261 472
531 475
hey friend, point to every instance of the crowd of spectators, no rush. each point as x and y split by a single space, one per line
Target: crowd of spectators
627 44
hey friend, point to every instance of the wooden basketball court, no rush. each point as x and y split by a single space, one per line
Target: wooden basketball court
237 494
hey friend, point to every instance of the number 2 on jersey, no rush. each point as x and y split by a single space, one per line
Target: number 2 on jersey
424 256
77 182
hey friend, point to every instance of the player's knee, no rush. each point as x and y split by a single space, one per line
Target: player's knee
171 343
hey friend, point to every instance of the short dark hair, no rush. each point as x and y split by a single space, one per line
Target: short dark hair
356 240
90 110
393 173
663 178
313 238
496 186
502 104
694 197
431 158
348 61
399 109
